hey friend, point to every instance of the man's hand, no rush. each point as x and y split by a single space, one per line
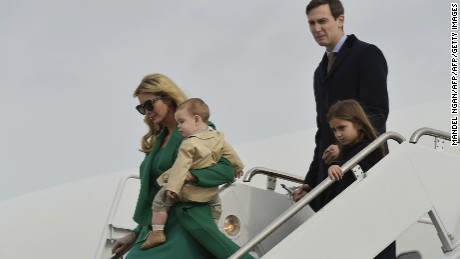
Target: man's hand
301 191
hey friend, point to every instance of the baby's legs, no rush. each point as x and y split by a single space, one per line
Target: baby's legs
216 207
160 207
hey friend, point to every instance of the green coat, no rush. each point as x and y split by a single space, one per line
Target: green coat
190 229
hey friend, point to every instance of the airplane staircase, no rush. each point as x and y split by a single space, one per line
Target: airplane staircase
409 184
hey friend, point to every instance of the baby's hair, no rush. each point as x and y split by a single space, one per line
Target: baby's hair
350 110
196 106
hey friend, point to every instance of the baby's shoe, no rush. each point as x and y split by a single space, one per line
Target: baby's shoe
155 238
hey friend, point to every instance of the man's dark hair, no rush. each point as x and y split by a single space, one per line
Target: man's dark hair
335 6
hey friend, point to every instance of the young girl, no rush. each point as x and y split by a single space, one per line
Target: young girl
353 132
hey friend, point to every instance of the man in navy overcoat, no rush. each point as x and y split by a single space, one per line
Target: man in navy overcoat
358 71
350 69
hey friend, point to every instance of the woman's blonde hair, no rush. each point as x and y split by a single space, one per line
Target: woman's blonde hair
350 110
172 95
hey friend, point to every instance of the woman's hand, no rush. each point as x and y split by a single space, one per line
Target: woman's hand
301 191
335 172
124 244
330 154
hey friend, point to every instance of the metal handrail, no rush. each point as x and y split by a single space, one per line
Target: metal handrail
119 192
113 210
428 131
313 193
271 173
425 220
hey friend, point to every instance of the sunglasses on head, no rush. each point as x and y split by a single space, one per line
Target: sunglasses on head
147 105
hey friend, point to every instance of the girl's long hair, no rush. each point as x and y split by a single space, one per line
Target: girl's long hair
173 96
350 110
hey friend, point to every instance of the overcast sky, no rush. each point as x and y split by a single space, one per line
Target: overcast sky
68 70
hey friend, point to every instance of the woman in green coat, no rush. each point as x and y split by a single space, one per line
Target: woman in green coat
190 229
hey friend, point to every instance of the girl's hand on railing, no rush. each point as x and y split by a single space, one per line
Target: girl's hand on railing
335 172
